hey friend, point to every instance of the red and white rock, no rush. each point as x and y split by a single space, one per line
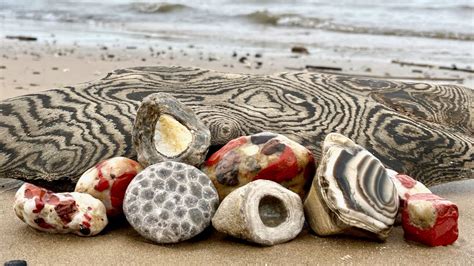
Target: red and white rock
430 219
406 186
108 181
74 212
261 156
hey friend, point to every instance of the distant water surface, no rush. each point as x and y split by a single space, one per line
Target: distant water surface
419 30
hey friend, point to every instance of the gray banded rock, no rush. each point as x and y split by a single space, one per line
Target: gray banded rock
170 202
351 192
165 129
262 211
423 130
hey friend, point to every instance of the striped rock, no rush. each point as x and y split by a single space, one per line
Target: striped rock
423 130
351 192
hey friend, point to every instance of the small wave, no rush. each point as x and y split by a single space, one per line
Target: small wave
158 8
293 20
267 18
399 32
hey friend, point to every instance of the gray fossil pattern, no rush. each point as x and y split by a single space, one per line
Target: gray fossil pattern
170 202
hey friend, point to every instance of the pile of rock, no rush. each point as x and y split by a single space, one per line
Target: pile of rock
266 184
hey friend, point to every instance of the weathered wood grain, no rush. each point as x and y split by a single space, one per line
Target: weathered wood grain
51 138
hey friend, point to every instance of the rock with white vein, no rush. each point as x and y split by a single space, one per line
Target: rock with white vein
351 192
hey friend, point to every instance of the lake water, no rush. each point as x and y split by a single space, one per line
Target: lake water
430 31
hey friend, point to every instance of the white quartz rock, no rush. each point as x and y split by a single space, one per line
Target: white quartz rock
262 211
77 213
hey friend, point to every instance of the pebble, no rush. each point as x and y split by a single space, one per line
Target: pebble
107 182
430 219
406 186
166 129
261 156
170 202
351 193
77 213
262 212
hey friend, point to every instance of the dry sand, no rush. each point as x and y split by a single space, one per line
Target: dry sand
32 67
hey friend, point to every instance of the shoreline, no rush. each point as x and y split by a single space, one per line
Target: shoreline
30 66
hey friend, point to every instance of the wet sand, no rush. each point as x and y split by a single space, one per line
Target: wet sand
29 67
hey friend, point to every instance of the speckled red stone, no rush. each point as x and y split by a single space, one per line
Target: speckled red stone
445 229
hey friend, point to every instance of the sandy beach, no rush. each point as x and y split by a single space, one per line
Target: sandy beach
47 46
30 67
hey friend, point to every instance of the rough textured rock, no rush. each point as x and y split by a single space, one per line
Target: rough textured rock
351 192
165 129
430 220
406 186
107 182
425 131
77 213
262 211
170 202
261 156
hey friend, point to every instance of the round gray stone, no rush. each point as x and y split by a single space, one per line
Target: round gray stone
170 202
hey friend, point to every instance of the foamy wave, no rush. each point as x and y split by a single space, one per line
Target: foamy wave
292 20
158 8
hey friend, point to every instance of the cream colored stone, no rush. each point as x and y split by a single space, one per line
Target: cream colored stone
171 137
422 213
262 211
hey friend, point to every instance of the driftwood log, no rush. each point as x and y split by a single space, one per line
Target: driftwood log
426 131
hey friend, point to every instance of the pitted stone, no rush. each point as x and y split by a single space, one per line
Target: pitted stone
170 202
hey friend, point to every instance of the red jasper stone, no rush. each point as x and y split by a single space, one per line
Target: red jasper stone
229 146
265 155
406 181
117 191
420 224
283 169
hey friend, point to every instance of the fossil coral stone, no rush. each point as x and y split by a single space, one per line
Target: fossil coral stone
74 212
262 211
431 220
165 129
170 202
108 180
351 192
406 186
261 156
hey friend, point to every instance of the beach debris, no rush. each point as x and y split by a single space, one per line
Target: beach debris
262 212
453 67
15 263
330 68
107 182
406 186
22 38
170 202
351 192
299 50
165 129
74 212
430 219
261 156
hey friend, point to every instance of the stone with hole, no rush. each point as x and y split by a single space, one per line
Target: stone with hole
165 129
170 202
262 211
